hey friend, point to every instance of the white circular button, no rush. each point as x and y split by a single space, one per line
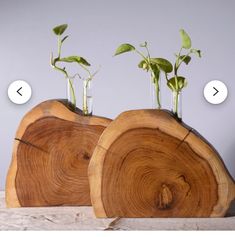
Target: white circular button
215 92
19 92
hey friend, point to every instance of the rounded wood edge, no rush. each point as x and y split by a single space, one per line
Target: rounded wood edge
10 190
30 117
145 118
58 109
226 186
95 180
234 191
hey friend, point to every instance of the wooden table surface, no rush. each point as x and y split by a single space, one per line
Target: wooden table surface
82 218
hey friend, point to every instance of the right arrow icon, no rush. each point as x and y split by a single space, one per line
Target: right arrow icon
215 90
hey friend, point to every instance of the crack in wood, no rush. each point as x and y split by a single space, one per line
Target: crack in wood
32 145
182 141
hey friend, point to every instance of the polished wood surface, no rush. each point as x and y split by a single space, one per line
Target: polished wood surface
147 163
52 150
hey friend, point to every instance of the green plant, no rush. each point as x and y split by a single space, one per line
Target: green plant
152 65
81 61
177 83
156 65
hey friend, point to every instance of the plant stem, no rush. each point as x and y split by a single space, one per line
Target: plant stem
71 88
176 103
155 80
158 95
142 55
85 105
176 67
153 77
87 70
147 51
59 46
182 60
177 60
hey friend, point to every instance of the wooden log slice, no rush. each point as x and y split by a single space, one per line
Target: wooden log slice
52 150
149 164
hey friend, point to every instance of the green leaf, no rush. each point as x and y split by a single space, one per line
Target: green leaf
59 30
64 38
163 64
181 83
197 52
156 71
123 48
143 65
77 59
185 39
186 59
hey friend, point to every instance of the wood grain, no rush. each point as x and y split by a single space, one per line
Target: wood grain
52 150
149 164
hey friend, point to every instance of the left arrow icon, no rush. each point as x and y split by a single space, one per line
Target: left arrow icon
18 91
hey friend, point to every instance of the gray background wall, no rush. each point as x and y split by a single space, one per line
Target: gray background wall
96 28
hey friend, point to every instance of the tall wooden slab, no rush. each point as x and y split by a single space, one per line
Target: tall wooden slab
149 164
51 153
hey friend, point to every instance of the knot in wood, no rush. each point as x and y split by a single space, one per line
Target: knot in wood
165 197
84 155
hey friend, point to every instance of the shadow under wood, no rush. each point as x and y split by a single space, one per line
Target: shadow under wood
231 210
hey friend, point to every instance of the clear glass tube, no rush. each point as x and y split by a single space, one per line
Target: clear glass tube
87 97
155 89
177 104
71 95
